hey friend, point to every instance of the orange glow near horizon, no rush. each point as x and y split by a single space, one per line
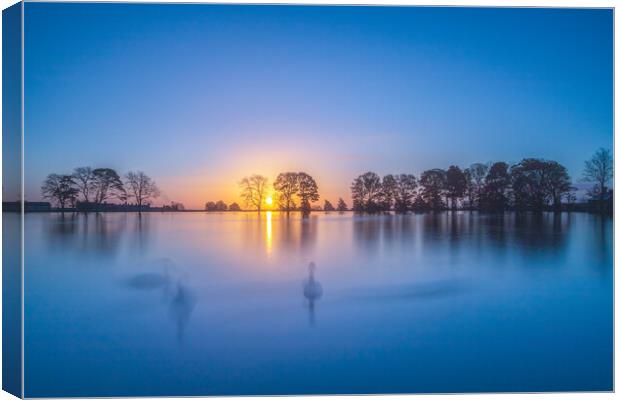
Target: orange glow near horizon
196 189
268 158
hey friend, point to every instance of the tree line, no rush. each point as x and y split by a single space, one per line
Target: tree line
531 184
98 186
291 191
221 206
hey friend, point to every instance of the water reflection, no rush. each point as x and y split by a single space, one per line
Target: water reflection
108 232
180 308
456 234
601 238
268 232
366 232
141 232
415 291
313 290
308 233
540 230
179 299
523 301
273 231
87 233
148 281
65 226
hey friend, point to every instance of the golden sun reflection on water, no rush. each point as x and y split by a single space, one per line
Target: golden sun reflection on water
268 232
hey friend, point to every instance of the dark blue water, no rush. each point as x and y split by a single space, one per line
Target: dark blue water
215 304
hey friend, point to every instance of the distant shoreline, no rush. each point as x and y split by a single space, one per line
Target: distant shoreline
45 207
313 212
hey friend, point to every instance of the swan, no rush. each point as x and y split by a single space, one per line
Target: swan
312 288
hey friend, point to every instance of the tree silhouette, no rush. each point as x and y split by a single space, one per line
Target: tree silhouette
174 206
419 205
433 183
366 191
60 188
477 172
85 181
388 193
599 170
108 185
470 189
456 185
496 183
140 187
286 186
308 191
559 183
528 179
405 192
253 190
536 182
531 184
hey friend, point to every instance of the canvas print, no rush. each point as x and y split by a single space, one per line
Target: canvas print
204 199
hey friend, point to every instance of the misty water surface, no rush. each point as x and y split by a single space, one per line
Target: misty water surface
212 304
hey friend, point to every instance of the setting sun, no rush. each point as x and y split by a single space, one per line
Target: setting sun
269 201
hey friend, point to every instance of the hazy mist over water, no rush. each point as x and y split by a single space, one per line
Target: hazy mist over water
222 304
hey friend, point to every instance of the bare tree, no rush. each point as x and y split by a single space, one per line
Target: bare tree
140 187
254 190
599 170
60 188
342 206
287 186
85 181
108 185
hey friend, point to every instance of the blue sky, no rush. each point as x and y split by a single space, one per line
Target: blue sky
198 96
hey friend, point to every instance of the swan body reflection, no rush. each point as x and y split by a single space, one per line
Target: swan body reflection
178 297
312 290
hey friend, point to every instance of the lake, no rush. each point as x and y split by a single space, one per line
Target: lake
118 304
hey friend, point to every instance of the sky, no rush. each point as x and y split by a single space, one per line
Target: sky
199 96
11 104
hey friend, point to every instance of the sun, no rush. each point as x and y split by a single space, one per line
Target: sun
269 201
